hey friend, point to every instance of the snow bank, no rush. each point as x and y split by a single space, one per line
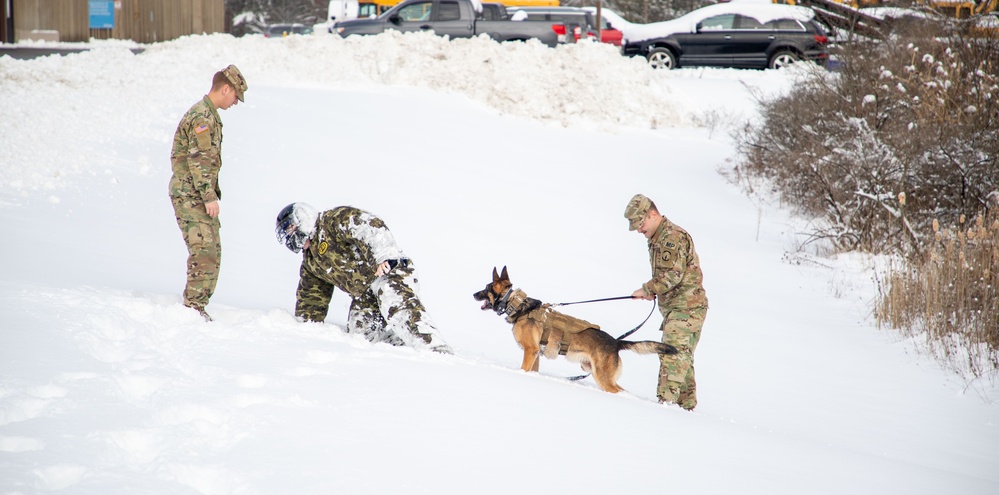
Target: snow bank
585 84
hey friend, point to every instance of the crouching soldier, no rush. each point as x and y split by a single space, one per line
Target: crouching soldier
353 250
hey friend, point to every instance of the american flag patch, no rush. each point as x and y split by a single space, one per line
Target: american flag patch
201 128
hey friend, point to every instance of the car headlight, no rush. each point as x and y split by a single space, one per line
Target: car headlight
340 30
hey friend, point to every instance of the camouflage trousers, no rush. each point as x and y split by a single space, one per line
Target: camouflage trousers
204 249
390 311
676 372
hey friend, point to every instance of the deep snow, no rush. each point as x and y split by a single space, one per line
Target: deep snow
476 155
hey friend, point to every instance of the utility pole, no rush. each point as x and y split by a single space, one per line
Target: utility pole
600 31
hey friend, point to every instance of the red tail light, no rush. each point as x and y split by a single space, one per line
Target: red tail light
577 32
821 39
559 29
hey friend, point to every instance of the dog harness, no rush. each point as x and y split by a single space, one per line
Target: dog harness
515 304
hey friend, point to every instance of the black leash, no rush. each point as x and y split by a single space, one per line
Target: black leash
629 332
633 330
594 300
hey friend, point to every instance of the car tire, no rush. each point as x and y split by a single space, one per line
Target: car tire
782 59
662 58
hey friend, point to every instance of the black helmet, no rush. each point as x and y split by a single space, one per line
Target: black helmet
295 224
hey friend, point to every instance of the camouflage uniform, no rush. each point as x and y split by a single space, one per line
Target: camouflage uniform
344 253
196 160
677 283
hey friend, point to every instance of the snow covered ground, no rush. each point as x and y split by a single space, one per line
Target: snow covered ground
477 155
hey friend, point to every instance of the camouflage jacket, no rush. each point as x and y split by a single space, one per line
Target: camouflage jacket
676 269
196 157
344 252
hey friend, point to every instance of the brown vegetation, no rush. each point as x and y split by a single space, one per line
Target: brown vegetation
903 139
949 295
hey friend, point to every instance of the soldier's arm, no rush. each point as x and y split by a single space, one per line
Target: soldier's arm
200 157
374 242
312 300
377 241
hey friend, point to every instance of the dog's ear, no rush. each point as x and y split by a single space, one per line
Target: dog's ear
495 276
504 275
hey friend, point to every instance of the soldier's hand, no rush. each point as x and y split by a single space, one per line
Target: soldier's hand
640 294
212 209
382 269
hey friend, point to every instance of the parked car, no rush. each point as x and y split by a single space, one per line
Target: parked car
742 35
572 16
454 18
279 30
610 31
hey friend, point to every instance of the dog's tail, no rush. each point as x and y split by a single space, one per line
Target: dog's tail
646 347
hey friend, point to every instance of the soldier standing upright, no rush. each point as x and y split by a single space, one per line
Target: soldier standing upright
194 187
353 250
677 282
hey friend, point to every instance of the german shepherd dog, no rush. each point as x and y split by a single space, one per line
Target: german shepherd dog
540 330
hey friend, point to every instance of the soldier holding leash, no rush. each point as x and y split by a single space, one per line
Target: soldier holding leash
677 282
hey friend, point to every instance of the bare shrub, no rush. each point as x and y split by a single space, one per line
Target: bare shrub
905 138
903 135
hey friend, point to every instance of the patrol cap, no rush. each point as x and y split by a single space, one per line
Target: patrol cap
236 78
636 210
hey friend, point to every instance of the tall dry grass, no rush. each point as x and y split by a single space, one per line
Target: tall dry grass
951 296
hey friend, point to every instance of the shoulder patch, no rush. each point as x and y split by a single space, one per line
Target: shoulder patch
201 128
670 245
323 247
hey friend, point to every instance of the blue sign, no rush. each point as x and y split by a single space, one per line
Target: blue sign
101 14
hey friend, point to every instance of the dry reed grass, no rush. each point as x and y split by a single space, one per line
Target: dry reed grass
950 296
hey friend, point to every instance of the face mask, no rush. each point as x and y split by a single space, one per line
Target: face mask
291 237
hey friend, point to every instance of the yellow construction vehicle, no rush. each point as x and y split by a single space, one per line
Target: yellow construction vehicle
847 14
963 9
958 9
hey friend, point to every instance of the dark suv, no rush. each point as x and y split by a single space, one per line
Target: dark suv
741 35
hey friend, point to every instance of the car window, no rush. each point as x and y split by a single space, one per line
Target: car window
416 11
717 23
784 25
491 13
448 11
747 23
